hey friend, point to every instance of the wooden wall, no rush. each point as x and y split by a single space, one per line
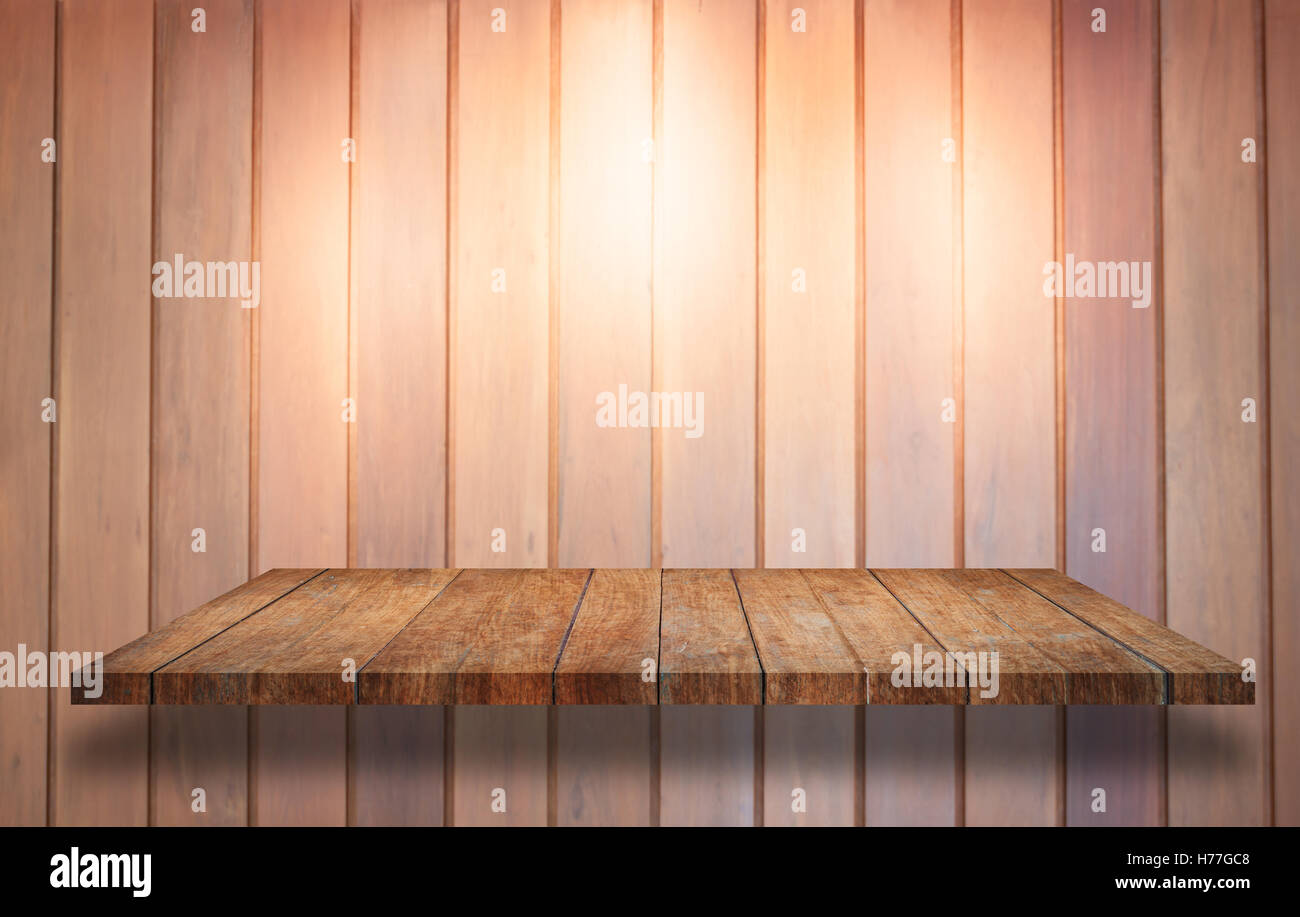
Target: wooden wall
829 216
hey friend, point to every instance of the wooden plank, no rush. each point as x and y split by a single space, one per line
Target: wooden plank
808 766
615 633
101 505
603 473
27 64
1045 655
200 473
1009 409
706 654
706 771
297 650
1112 426
1216 565
705 282
499 766
500 121
127 669
1197 675
396 766
302 342
492 637
909 364
805 657
402 324
876 628
808 294
1282 58
499 332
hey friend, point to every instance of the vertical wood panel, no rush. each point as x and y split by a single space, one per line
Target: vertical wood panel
299 753
26 326
401 346
602 762
101 587
203 210
1009 366
1214 461
500 362
809 365
1112 427
910 768
704 339
1282 56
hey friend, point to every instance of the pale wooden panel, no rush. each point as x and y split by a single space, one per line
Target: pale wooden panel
808 400
605 278
1112 473
401 349
602 765
704 283
499 755
101 587
808 226
203 211
500 364
1213 460
808 749
26 315
705 326
299 755
910 518
499 339
1009 364
603 768
1282 57
706 765
396 766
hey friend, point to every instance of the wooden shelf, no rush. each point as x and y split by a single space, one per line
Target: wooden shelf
669 637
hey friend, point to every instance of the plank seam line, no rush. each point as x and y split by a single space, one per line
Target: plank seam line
921 624
356 688
659 644
564 641
830 615
762 669
1168 676
156 669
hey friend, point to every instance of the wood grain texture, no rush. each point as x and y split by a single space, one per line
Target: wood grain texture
1216 567
605 337
298 649
615 632
909 364
127 668
705 281
490 638
499 766
706 655
302 436
1112 425
706 769
1197 675
101 517
201 377
808 226
27 64
805 656
400 253
401 247
1009 409
1045 655
1282 59
395 768
499 339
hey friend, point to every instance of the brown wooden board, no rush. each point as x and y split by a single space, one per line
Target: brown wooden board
612 654
706 653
